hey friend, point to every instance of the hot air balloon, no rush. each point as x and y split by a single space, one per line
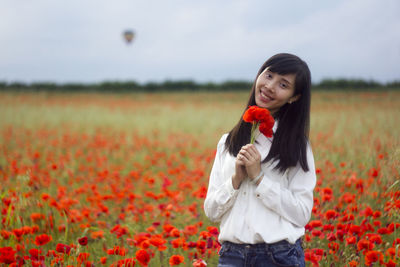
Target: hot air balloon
128 36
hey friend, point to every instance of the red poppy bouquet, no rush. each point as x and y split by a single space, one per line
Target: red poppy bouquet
260 118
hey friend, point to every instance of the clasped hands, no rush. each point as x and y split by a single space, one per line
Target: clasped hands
247 165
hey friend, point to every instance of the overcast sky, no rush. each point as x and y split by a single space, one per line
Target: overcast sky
207 40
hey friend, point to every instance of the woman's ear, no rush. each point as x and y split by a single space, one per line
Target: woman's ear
294 99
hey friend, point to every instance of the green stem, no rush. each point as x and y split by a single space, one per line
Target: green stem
252 135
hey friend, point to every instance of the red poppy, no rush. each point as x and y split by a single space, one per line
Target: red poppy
158 242
168 228
331 236
259 117
256 114
373 256
175 232
5 234
364 244
42 240
7 255
266 129
390 263
311 256
37 217
176 260
143 257
213 230
355 229
18 232
190 230
36 254
330 214
375 238
314 224
83 241
351 240
63 248
179 242
316 232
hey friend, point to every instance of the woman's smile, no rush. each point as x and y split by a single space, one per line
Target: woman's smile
265 98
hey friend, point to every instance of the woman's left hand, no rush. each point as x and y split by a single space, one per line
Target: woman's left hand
252 160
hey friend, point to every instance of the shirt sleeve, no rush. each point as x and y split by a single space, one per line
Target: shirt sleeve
295 202
221 194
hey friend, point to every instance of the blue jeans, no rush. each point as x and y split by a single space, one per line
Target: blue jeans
281 254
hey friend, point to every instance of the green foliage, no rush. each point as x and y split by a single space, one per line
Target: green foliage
184 85
355 84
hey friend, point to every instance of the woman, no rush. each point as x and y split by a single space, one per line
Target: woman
262 193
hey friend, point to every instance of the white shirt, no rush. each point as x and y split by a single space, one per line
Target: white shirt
277 209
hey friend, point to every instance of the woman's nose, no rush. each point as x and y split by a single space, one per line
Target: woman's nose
269 85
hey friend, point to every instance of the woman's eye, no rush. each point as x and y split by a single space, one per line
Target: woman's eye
284 85
269 75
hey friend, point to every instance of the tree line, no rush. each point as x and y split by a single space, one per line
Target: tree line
185 85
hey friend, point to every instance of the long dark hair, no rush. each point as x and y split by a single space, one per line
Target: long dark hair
289 145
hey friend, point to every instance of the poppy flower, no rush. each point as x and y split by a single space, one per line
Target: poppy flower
37 217
179 242
260 118
42 240
364 244
5 234
19 232
314 224
175 232
351 240
390 263
373 256
158 242
213 230
62 248
168 228
330 214
176 260
7 255
266 129
310 255
190 230
143 257
316 232
36 254
83 241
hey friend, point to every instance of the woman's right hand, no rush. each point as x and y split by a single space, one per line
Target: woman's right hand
240 173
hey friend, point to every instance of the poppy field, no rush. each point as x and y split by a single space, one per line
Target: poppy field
120 179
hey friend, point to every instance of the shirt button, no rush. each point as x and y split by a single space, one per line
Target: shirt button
258 195
244 193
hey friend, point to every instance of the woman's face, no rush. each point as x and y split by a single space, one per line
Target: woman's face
274 90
